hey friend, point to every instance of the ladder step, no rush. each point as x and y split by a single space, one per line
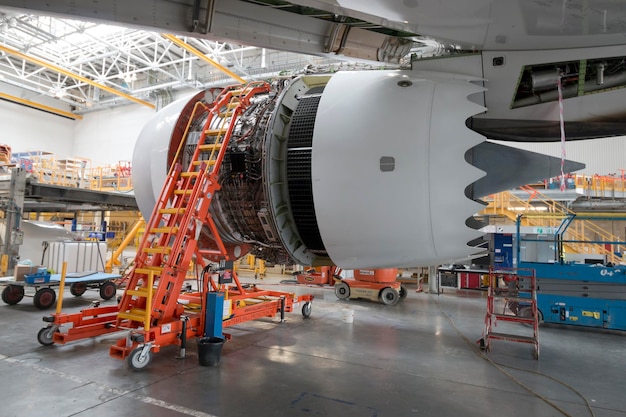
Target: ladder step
174 210
511 337
209 162
210 147
183 192
140 292
166 229
148 269
215 132
158 249
210 252
135 314
189 174
515 319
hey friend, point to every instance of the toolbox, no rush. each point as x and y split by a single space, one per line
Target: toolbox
41 277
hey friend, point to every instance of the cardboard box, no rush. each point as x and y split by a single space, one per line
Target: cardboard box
21 270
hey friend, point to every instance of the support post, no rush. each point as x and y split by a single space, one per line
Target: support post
182 353
433 280
13 236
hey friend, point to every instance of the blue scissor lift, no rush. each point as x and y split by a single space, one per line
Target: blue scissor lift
578 294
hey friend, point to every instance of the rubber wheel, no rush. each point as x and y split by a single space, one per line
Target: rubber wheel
45 336
107 290
403 292
342 290
44 298
389 296
78 288
524 312
12 294
135 361
306 309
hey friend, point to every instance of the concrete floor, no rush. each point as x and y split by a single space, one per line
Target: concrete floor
418 358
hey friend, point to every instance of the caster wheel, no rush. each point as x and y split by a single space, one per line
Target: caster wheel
136 361
45 335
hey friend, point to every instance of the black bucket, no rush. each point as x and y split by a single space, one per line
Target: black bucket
210 350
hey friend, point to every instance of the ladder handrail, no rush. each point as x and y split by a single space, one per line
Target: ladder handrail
186 132
182 209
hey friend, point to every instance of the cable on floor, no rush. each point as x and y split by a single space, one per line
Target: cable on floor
500 367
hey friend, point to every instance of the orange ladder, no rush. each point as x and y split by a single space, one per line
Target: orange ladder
152 309
170 242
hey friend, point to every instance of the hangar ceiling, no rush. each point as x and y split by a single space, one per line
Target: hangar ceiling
87 66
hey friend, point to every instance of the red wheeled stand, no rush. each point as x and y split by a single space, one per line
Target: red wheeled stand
512 298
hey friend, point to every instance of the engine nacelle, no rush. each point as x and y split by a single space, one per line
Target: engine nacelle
369 169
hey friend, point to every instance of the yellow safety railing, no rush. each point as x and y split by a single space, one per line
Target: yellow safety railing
601 185
541 211
110 178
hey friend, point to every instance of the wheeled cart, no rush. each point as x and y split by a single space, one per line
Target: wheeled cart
44 294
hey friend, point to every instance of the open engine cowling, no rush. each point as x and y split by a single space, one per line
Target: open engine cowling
368 169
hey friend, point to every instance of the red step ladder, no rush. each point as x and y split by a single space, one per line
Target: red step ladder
512 298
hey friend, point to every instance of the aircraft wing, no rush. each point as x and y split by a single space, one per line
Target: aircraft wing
309 26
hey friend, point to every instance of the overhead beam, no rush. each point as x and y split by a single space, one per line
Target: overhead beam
203 57
233 20
39 106
70 74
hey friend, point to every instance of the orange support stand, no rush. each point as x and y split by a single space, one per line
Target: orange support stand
153 311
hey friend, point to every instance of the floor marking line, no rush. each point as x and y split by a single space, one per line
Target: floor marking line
121 393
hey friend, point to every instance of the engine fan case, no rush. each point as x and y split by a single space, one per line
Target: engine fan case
388 168
150 157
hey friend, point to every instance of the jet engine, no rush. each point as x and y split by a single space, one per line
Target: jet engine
371 169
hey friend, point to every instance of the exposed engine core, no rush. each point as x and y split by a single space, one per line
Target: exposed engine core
361 169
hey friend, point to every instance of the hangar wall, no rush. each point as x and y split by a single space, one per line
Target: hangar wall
27 129
107 137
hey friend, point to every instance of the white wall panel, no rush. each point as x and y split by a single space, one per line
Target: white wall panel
26 129
601 156
109 136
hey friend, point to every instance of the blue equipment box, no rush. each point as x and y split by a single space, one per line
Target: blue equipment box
41 277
